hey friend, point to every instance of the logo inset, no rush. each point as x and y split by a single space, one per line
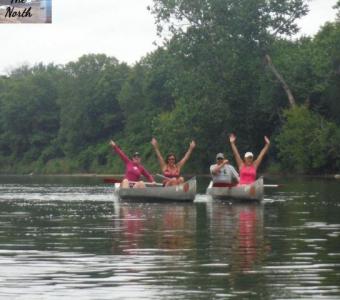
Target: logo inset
25 11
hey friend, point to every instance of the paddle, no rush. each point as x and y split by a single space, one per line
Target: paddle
230 185
224 185
162 176
116 180
272 185
112 180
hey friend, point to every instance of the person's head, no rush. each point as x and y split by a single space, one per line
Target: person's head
219 158
136 157
248 158
171 159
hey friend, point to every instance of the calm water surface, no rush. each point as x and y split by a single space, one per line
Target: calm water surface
62 238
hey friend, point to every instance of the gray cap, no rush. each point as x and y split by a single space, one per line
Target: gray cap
219 155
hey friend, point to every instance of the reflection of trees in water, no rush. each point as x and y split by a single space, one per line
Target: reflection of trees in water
174 227
133 224
231 234
154 226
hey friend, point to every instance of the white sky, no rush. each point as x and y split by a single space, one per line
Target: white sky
120 28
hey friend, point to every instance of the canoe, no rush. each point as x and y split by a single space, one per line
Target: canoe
183 192
252 191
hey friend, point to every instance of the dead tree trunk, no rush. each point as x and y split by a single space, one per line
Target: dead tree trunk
278 76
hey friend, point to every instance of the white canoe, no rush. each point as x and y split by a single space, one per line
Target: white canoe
183 192
252 191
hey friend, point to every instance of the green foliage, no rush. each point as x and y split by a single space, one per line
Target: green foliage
327 63
29 112
207 80
307 142
146 94
244 23
220 77
337 6
90 111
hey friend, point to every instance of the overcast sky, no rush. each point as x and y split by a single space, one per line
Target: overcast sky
120 28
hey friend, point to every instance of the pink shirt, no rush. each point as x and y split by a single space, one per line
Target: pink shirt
133 171
247 174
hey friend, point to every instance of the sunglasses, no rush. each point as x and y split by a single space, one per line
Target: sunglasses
220 158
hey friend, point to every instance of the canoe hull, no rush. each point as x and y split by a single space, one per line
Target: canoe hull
252 191
184 192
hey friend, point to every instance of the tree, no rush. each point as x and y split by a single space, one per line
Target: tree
251 25
146 93
337 6
309 141
326 63
29 111
88 97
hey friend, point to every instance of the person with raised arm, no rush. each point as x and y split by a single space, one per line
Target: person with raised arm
170 167
133 169
248 167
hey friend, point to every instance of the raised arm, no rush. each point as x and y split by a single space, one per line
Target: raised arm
263 152
119 151
182 162
232 139
161 161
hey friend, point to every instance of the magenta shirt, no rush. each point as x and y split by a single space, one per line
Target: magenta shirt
247 174
133 171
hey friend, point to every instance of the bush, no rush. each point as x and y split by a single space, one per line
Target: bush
307 142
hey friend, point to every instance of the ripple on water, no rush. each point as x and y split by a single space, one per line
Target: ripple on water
69 271
55 193
66 242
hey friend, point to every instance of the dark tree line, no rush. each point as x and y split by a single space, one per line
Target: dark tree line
229 66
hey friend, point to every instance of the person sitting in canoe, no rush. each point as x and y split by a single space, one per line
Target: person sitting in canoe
170 168
248 166
133 169
223 174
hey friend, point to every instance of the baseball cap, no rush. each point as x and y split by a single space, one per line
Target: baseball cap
248 154
219 155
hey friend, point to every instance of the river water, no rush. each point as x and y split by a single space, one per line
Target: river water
65 237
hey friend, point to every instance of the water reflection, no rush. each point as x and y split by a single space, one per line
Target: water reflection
249 230
239 232
75 239
154 227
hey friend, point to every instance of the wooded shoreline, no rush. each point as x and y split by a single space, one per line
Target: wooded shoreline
220 75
